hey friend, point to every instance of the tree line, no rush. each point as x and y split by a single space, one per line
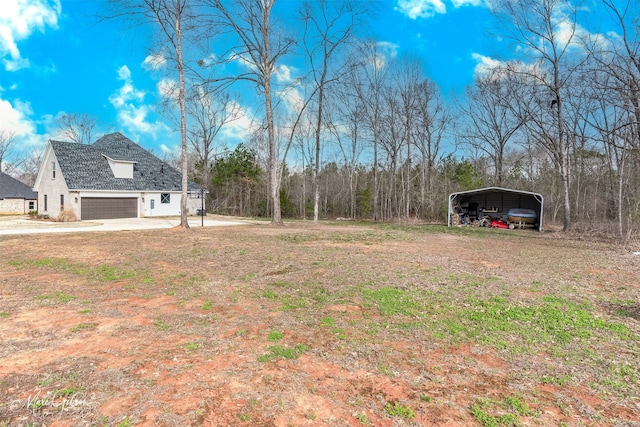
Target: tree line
360 133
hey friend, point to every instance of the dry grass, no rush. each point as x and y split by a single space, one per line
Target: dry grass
334 324
67 216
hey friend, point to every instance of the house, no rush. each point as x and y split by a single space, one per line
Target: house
15 196
495 203
111 178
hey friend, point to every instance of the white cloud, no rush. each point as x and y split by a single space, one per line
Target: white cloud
208 60
570 33
461 3
283 74
415 9
496 69
242 61
15 117
168 88
485 64
127 92
154 62
292 99
382 54
15 64
421 8
18 20
132 113
238 130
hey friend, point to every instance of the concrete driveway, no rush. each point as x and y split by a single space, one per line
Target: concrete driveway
23 225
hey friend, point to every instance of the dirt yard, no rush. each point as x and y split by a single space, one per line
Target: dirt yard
318 325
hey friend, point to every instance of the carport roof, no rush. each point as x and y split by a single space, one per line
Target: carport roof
495 190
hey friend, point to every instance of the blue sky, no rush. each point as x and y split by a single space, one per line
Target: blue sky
56 58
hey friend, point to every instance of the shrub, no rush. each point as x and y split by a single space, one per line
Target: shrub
67 216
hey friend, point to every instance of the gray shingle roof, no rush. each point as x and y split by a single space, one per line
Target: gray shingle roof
85 167
11 188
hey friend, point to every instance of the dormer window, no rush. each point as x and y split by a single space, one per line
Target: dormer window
121 168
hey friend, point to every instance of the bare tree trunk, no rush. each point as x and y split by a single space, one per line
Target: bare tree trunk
184 222
274 162
316 177
251 23
168 15
536 25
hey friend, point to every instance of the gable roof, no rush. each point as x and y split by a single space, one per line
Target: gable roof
497 190
86 167
11 188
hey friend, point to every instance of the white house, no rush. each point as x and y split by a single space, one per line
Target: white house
111 178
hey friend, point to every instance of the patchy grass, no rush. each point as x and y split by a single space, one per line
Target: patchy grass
277 352
83 327
507 411
370 324
398 410
60 297
99 272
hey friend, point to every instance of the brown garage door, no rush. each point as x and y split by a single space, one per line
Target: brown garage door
109 208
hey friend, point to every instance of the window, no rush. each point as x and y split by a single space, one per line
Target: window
62 202
165 198
32 205
45 203
53 170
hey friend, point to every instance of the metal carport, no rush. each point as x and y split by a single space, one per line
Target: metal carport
495 202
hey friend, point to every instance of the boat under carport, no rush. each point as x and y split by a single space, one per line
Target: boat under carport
494 202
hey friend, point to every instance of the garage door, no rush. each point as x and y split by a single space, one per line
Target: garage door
109 208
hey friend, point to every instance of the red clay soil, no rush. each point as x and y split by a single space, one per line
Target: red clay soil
179 342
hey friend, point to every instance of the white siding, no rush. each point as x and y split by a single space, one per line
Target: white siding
53 186
167 209
153 205
120 168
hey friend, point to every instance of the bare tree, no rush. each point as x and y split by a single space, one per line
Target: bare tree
392 134
622 62
6 139
609 120
76 127
209 114
30 166
546 29
374 69
346 125
260 47
432 120
491 121
409 81
170 17
328 28
614 80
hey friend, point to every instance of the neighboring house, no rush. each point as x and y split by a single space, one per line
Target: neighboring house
15 197
111 178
